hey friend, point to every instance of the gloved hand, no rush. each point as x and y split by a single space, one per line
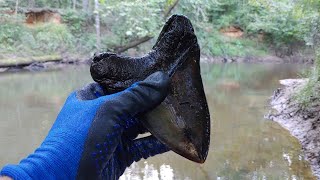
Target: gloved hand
93 136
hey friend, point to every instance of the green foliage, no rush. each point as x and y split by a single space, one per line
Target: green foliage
283 22
7 3
129 20
278 20
75 20
310 24
311 91
10 34
196 10
87 44
210 16
39 40
215 44
55 37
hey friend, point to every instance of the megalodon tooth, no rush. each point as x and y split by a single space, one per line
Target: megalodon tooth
182 120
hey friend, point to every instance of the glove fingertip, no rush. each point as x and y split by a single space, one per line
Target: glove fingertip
90 91
140 97
154 87
159 78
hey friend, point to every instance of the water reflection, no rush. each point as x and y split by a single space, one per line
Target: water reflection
148 172
243 144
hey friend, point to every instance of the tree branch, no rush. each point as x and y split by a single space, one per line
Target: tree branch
170 8
137 42
134 43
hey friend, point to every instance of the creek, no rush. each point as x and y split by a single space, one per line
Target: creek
244 145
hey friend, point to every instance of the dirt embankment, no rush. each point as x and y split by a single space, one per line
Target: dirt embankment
302 122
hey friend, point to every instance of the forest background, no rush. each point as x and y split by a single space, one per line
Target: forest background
228 28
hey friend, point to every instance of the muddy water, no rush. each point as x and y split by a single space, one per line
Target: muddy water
243 144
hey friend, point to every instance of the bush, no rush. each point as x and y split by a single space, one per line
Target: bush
10 34
75 20
41 39
311 91
128 20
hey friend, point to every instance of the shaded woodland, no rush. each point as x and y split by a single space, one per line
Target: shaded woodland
224 28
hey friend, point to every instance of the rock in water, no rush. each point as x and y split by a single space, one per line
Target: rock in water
182 120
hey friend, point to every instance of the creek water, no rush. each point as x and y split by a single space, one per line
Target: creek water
244 145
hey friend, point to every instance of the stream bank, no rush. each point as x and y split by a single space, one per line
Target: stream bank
58 62
294 59
302 122
42 65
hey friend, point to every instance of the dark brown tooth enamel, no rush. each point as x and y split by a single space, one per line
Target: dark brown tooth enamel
100 56
182 120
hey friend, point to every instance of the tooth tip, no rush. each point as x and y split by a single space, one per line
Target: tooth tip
197 159
193 153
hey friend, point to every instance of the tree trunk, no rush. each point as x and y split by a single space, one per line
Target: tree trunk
97 21
16 8
170 8
132 44
31 3
74 4
90 6
59 2
85 4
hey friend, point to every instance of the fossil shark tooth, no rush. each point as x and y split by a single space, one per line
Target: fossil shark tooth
182 120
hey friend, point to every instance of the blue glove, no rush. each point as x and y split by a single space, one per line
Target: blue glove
93 136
